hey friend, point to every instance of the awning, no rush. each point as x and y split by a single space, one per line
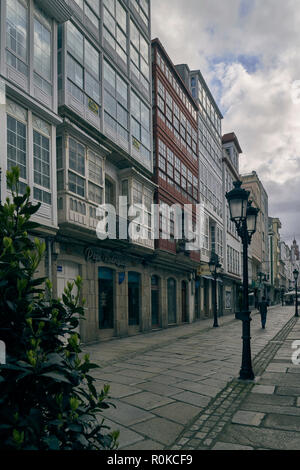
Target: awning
210 278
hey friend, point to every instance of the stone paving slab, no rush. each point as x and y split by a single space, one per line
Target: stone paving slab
146 444
182 414
277 379
200 388
280 421
285 410
127 436
290 391
159 429
197 362
192 398
126 414
230 446
260 437
263 399
277 367
265 389
147 400
248 417
160 389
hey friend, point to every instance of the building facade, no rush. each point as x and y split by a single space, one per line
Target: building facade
83 140
259 250
275 260
29 108
175 132
210 186
232 243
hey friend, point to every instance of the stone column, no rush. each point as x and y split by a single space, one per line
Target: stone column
163 293
191 301
146 320
121 303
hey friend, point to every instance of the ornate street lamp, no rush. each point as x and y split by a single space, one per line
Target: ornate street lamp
244 215
215 268
296 275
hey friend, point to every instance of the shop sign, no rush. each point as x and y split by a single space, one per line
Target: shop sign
104 257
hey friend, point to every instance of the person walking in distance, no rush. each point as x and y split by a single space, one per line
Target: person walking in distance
263 309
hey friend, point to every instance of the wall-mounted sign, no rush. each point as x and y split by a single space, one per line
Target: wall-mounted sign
104 257
59 269
121 278
136 143
93 106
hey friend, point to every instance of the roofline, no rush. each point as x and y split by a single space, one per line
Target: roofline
254 174
157 42
234 139
208 92
57 9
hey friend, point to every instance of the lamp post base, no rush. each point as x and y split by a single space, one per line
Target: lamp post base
247 375
246 372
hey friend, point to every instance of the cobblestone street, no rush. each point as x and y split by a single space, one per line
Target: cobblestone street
177 388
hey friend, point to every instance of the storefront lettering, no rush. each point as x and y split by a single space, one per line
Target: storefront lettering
104 257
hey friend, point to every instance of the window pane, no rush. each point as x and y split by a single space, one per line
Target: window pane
92 87
75 72
121 16
16 145
75 42
42 50
91 16
77 157
16 29
92 58
95 5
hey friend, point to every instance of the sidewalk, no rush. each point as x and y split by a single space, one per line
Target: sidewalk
166 384
269 415
116 349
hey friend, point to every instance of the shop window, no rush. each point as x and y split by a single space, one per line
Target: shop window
134 298
106 298
172 301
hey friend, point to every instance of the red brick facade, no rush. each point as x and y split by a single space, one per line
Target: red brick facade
175 132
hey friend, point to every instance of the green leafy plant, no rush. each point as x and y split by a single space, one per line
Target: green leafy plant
48 400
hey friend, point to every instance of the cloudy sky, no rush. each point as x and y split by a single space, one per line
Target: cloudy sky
249 54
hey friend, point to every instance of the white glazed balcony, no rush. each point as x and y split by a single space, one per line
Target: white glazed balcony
75 212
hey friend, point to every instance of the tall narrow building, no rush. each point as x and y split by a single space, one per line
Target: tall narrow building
233 249
261 263
29 109
210 184
76 95
175 132
104 151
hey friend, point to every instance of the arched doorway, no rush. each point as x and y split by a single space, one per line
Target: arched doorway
184 308
172 311
106 298
155 301
134 286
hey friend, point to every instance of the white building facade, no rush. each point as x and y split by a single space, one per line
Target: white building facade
29 112
210 184
232 276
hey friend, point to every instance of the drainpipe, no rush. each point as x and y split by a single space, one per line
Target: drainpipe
49 249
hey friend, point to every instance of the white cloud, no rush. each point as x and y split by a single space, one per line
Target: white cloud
257 103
